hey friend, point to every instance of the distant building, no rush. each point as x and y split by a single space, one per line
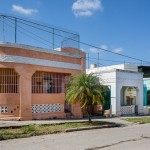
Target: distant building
145 70
126 86
33 81
146 81
146 91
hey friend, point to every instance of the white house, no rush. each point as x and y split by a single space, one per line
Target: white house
126 85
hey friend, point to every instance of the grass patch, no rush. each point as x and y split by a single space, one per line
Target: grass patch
138 120
36 130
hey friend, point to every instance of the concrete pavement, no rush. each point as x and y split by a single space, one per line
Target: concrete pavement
124 138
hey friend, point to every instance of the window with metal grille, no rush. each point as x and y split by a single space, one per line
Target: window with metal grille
9 81
47 82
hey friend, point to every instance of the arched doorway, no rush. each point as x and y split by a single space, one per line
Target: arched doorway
128 100
130 96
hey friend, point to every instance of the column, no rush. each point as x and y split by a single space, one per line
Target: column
118 104
25 91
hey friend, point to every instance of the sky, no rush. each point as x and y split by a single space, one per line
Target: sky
120 26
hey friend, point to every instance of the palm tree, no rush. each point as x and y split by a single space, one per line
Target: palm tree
85 89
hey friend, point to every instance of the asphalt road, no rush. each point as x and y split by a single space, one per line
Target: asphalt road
135 137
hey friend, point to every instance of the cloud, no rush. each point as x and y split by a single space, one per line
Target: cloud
93 50
104 46
86 7
24 11
82 49
118 50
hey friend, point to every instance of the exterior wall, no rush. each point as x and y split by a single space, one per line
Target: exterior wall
109 79
19 50
25 99
130 79
49 99
79 52
117 79
76 111
12 101
128 67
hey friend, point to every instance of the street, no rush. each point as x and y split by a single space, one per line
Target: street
131 137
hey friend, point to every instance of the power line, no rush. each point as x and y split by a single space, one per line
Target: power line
113 60
35 35
54 44
32 33
58 45
44 30
89 58
112 66
98 48
90 45
28 35
39 24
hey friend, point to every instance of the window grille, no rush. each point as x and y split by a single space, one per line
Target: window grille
47 82
8 81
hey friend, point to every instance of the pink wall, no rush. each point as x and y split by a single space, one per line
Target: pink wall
21 103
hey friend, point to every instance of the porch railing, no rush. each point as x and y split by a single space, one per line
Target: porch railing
127 110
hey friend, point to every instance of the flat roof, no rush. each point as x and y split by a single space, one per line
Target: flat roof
29 47
130 68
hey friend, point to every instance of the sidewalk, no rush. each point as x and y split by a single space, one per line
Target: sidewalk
116 120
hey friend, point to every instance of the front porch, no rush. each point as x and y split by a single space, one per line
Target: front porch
128 101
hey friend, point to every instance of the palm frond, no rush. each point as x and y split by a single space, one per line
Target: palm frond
86 89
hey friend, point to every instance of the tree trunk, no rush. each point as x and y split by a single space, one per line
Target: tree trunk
89 113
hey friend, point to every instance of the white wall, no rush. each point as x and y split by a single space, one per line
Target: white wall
133 80
109 79
117 79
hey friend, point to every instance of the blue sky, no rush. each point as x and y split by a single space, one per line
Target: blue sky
122 26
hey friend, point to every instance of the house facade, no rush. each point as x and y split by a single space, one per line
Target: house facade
126 86
33 81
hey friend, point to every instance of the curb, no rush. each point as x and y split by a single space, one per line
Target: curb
13 126
93 127
67 130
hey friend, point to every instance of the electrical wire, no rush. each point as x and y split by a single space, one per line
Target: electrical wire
37 35
31 33
28 35
90 58
90 45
